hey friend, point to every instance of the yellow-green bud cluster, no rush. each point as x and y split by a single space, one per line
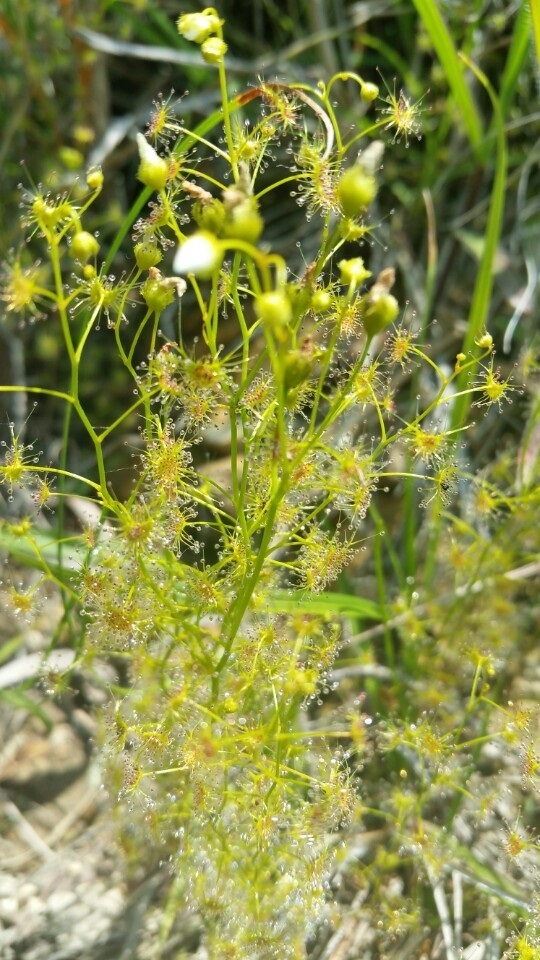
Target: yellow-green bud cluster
205 29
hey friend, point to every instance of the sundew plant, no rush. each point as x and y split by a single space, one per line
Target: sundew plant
202 587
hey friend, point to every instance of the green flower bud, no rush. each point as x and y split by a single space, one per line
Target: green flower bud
369 92
153 170
94 178
275 312
356 190
214 50
243 222
353 272
72 158
83 246
158 291
198 26
209 215
380 313
321 301
147 254
298 366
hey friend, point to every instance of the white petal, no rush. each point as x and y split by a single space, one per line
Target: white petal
200 254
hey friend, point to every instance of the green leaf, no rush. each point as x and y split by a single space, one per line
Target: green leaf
338 604
516 60
453 68
18 699
9 647
39 550
481 301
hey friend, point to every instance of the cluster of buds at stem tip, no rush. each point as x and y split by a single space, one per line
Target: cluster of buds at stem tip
242 219
236 217
205 29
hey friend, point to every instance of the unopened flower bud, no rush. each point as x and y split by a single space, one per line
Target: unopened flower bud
380 313
83 246
153 170
214 50
94 178
321 301
198 26
147 254
297 368
275 312
209 215
353 272
369 92
356 190
485 341
72 158
243 222
158 291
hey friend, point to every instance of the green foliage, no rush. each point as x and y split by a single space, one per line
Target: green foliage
212 595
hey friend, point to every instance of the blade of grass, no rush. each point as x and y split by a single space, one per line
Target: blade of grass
453 68
18 700
39 551
340 604
534 9
515 61
481 300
